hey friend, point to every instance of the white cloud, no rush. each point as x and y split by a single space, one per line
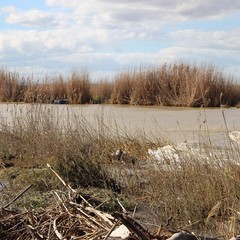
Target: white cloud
91 34
130 10
215 39
35 18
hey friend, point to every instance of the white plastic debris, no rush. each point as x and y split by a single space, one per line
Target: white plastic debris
173 155
165 154
235 136
120 232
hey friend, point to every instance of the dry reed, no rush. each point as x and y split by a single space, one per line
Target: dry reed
177 84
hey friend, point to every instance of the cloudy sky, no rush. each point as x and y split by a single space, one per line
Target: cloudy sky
106 36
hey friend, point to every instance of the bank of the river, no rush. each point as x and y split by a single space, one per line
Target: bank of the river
99 147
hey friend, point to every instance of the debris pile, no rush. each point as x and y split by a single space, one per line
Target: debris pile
68 220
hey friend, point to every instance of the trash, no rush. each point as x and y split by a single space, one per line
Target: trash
166 154
120 232
173 156
60 101
235 136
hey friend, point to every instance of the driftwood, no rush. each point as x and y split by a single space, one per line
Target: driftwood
66 219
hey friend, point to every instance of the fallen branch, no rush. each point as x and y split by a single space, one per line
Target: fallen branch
133 226
18 196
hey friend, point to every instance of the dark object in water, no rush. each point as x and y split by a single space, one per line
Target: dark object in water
60 101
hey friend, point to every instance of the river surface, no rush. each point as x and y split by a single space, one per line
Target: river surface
176 124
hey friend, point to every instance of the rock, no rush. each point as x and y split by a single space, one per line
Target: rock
182 236
123 156
120 232
189 236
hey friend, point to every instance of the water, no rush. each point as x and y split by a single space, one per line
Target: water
176 124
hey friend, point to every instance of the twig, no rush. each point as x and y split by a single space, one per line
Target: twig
123 209
35 232
134 211
111 230
18 196
67 185
133 226
58 234
63 182
104 216
62 203
49 230
92 219
98 206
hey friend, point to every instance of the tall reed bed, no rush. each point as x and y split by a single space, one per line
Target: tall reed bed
12 86
177 84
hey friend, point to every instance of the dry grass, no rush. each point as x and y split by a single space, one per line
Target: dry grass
177 84
197 195
101 91
78 88
12 87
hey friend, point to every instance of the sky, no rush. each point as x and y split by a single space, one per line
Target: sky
104 37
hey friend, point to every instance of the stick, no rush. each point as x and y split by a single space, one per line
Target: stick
133 226
58 234
92 219
68 186
63 182
18 196
111 230
134 211
123 209
62 203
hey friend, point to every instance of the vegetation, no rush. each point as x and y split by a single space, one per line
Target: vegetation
178 84
198 195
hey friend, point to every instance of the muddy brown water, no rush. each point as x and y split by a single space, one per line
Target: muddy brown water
175 124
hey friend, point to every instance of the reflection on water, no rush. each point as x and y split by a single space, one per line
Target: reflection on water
178 124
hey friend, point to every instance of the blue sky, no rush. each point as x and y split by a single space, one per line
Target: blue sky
105 36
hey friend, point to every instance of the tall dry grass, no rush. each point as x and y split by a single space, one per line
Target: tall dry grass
12 86
101 91
176 84
122 88
78 88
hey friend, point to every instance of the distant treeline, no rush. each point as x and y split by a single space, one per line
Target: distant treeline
176 84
